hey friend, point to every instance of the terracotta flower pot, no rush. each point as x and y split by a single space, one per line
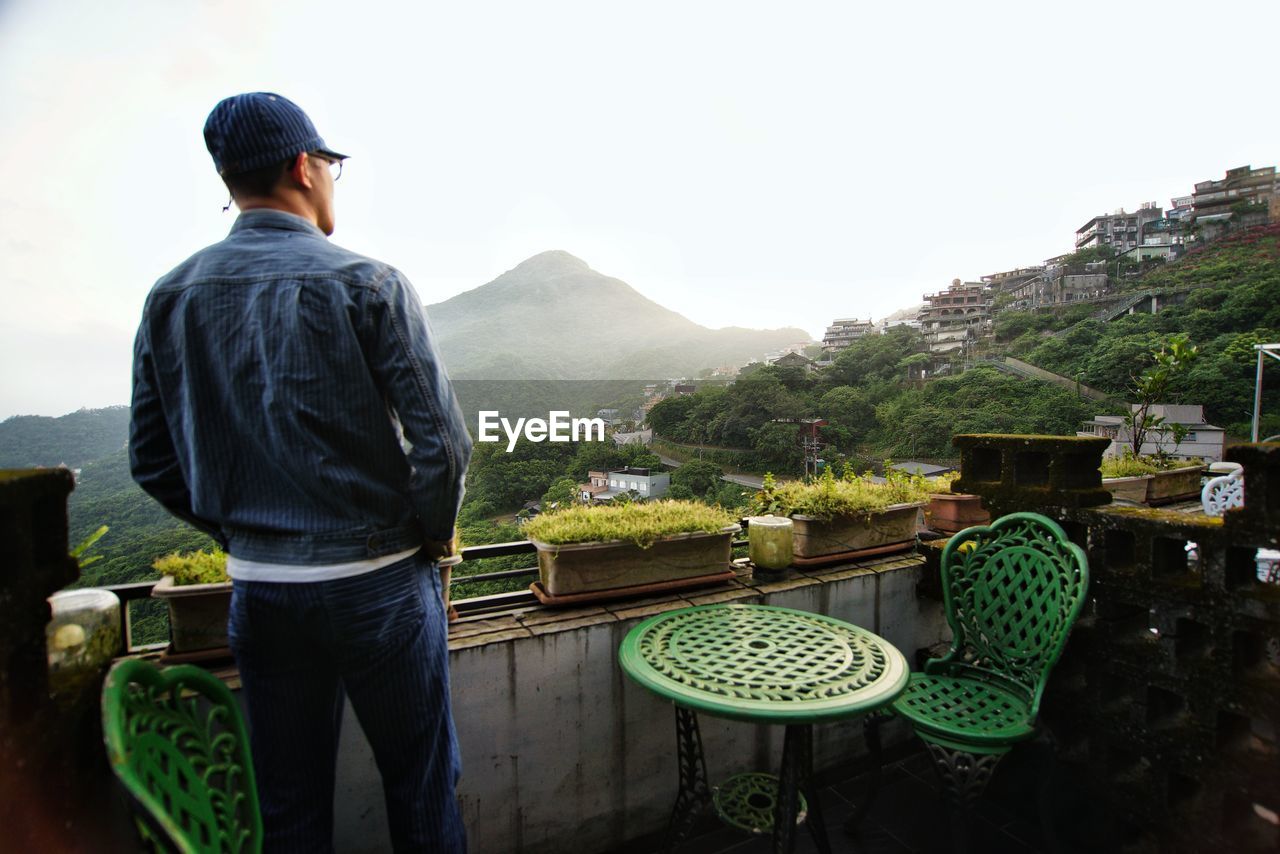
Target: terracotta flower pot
950 513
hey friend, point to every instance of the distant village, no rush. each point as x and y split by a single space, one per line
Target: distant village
955 319
955 322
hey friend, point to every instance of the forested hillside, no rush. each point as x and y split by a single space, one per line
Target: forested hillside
93 441
73 440
872 408
140 529
1234 305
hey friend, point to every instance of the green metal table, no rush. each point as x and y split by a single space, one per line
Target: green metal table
760 664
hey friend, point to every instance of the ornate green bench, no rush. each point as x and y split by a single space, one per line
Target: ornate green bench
176 741
1012 591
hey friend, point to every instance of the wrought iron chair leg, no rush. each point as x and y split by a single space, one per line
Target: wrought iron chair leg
1048 785
694 794
871 728
964 776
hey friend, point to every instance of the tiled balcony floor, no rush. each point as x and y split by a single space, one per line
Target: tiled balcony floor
908 816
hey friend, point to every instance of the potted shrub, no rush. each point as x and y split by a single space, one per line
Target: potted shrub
198 592
951 512
1127 477
610 550
848 516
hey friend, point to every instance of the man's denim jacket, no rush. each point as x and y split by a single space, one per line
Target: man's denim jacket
269 373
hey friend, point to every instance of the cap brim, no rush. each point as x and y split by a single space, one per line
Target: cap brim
333 154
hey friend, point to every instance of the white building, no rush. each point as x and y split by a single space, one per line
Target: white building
1202 440
644 482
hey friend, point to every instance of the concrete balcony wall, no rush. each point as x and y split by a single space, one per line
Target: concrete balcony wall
562 752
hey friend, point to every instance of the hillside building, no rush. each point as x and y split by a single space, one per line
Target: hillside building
796 360
953 318
1180 208
1202 440
606 486
1011 279
842 332
1027 286
1241 188
597 484
1121 230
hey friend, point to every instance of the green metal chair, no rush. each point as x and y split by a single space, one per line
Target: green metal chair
176 740
1012 591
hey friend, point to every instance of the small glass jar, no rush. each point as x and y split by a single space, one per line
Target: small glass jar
82 638
770 542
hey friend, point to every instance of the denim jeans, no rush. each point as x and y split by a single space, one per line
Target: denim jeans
380 639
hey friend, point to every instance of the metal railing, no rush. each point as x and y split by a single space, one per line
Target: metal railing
473 606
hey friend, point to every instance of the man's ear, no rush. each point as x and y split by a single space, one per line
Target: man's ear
299 171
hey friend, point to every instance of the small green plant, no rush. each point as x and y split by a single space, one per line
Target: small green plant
638 523
199 567
1168 463
1153 386
1127 465
79 551
942 483
851 495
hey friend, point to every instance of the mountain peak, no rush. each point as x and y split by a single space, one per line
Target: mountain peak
553 317
553 262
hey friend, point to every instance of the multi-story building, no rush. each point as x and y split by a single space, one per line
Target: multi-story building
1025 285
1180 208
1011 279
952 318
1030 293
1072 287
597 484
1162 238
1121 230
842 332
1241 185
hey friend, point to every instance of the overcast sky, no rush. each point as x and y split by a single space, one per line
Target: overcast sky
749 164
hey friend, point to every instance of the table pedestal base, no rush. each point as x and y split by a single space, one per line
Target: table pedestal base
795 787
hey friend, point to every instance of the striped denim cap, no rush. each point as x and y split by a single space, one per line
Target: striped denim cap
253 130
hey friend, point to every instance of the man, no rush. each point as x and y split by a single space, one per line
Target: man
273 374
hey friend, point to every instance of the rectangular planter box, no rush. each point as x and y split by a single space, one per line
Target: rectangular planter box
1174 485
585 567
197 614
1128 488
815 537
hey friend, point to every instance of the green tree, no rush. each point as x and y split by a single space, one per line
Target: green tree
1153 386
698 476
849 413
778 444
562 493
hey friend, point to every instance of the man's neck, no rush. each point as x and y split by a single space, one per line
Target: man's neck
277 204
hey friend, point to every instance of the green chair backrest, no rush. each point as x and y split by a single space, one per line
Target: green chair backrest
1012 591
176 740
